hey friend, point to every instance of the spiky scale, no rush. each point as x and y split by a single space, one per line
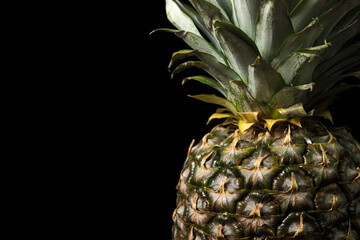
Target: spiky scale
227 201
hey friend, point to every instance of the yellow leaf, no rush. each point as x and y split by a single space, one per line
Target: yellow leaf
271 122
249 117
221 115
216 100
294 111
295 121
243 126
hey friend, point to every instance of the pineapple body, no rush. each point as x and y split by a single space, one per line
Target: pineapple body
288 183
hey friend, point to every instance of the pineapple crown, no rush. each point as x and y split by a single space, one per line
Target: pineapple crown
281 59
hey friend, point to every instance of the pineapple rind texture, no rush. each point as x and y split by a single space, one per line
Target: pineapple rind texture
288 183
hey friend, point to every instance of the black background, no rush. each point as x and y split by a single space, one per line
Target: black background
167 119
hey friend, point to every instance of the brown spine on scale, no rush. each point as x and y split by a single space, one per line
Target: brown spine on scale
287 183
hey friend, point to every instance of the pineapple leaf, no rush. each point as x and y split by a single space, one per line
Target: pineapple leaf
264 81
263 58
303 13
344 66
299 40
272 27
221 78
291 67
292 4
220 4
226 5
221 116
326 114
347 20
339 61
325 98
179 55
298 68
326 84
332 17
271 122
196 42
243 100
206 58
208 12
289 96
249 117
200 44
237 46
248 120
238 32
208 81
245 13
213 99
339 39
294 111
179 19
196 18
243 126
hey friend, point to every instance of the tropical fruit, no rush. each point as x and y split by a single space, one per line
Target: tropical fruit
275 168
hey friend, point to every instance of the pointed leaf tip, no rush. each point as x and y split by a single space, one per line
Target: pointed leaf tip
220 116
216 100
179 19
271 122
272 27
239 49
243 126
264 81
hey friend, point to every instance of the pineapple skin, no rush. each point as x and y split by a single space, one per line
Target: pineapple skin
290 183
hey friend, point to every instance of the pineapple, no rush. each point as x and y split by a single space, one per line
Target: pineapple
273 169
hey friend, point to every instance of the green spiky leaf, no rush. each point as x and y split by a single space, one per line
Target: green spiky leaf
333 16
179 19
340 61
226 5
213 99
350 63
206 58
209 13
245 13
292 4
298 68
346 21
238 48
222 6
294 44
326 84
196 42
242 99
222 79
272 27
297 41
303 13
289 96
196 18
328 95
207 81
339 39
264 81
